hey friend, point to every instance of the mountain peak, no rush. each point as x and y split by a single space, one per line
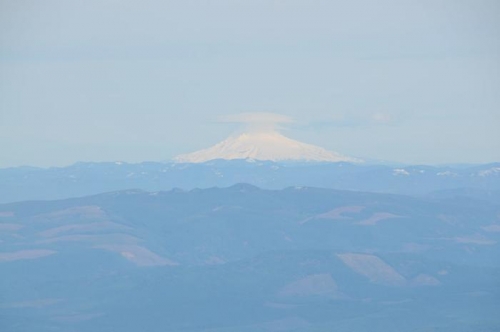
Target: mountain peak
263 145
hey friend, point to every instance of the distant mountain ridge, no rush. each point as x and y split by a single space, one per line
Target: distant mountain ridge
28 183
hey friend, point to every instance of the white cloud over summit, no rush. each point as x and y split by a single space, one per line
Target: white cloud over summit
256 118
258 121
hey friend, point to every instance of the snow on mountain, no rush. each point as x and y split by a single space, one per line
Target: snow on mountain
269 145
400 171
491 171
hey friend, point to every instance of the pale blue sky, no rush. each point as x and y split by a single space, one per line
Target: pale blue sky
408 81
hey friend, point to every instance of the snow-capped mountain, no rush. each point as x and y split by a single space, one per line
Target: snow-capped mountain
269 145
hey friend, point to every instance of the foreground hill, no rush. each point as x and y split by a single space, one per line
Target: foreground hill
28 183
246 259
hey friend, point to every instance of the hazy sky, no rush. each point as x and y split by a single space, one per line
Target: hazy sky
410 81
